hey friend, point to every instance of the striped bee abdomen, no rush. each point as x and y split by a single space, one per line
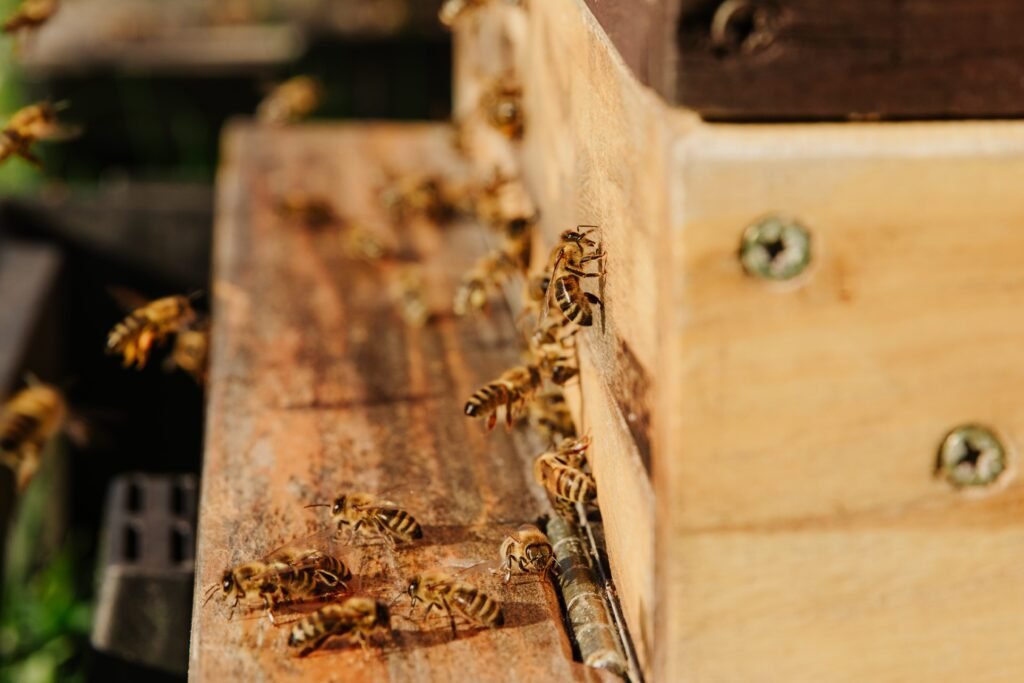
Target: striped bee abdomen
572 302
477 606
399 522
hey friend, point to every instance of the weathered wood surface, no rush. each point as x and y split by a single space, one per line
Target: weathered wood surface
811 59
317 386
593 153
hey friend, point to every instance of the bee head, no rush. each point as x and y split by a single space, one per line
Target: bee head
414 588
339 505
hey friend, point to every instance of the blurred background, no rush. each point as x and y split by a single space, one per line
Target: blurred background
127 205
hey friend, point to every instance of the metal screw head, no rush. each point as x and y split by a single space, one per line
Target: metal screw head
775 248
971 455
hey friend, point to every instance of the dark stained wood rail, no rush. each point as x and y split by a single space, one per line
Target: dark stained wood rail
317 385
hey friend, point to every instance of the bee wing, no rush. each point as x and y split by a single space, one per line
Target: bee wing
127 299
552 281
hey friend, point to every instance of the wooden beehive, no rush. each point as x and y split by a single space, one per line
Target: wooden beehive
765 451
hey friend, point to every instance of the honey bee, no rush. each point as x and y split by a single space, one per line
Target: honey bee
455 597
502 104
370 516
29 125
550 415
28 420
306 209
409 298
527 551
513 390
429 196
147 325
290 101
39 122
287 575
30 14
190 352
553 353
491 271
561 473
357 618
570 257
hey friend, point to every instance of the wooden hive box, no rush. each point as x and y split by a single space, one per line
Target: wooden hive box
765 450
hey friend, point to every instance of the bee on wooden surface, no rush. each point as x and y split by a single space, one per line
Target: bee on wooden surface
527 551
30 14
290 101
455 598
357 618
561 472
134 337
306 209
28 420
370 516
409 298
550 415
570 257
512 390
191 351
490 272
502 104
552 351
290 574
438 200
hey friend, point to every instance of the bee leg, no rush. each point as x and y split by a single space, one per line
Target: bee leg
592 298
451 615
492 420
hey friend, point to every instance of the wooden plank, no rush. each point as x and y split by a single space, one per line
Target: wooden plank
818 59
595 156
316 385
808 414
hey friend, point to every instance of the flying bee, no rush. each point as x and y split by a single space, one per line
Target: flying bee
561 473
570 257
502 104
134 337
357 618
513 390
39 122
190 352
30 14
290 574
527 551
306 209
455 598
28 420
290 101
550 415
370 516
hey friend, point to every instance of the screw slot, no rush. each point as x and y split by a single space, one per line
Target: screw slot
971 455
775 248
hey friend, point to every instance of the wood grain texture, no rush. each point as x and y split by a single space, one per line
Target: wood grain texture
801 514
317 385
589 128
820 59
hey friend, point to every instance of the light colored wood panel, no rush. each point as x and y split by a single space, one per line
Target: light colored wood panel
831 394
886 603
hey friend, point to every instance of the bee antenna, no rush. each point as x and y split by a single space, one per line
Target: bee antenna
317 505
210 592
